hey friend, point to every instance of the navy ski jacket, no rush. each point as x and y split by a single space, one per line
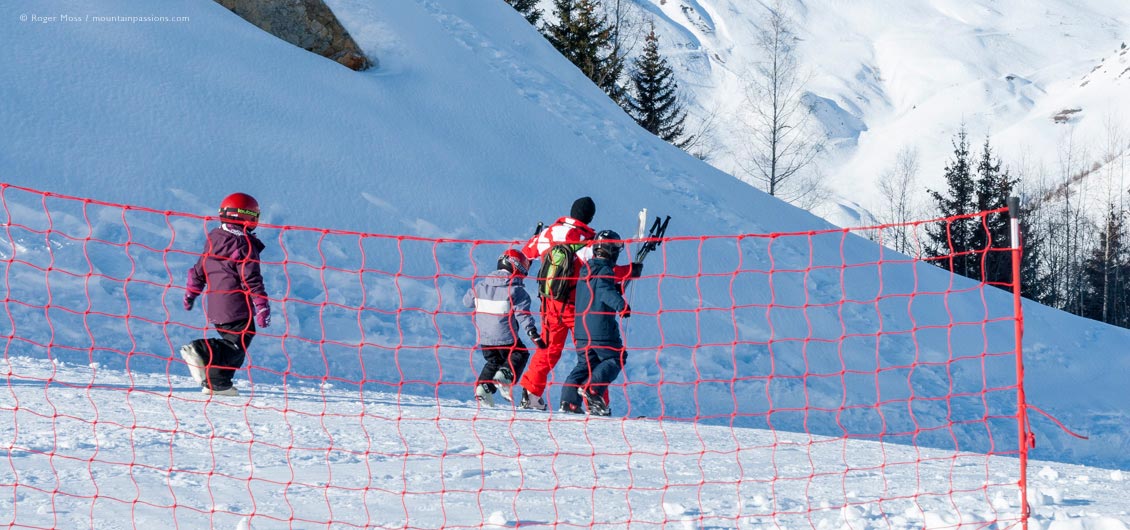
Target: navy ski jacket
598 303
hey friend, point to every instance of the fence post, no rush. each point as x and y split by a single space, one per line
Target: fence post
1021 401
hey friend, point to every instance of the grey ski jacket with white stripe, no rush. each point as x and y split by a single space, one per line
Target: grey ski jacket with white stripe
501 303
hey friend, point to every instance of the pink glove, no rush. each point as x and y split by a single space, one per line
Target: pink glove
263 315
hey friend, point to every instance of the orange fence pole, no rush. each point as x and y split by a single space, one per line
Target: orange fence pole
1021 402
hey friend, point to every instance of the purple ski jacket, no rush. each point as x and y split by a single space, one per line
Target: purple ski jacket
228 275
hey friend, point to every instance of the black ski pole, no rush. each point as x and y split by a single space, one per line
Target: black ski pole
654 238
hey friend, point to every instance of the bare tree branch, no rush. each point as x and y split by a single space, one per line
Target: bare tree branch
897 189
780 144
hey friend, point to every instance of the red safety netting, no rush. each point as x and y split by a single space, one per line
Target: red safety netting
809 379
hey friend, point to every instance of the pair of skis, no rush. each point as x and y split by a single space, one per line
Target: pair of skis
653 236
650 241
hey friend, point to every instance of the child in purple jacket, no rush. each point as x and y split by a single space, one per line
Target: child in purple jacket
227 273
502 304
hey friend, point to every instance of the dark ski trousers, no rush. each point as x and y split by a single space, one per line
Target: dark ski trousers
596 368
511 356
225 355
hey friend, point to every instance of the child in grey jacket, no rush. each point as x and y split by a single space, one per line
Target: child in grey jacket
502 304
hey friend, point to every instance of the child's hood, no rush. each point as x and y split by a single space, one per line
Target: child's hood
225 243
501 277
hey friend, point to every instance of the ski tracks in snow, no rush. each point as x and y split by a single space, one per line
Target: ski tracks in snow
93 447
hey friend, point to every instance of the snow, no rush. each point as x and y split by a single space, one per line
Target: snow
147 448
1001 68
474 128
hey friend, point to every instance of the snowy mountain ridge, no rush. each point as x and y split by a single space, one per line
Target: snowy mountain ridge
888 75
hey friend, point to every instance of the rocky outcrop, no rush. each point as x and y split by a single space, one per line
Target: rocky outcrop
308 24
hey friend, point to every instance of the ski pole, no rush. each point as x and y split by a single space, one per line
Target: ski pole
626 285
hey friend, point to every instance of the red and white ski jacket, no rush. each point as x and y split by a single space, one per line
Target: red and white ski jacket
565 230
568 230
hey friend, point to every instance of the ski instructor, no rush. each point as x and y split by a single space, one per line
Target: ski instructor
563 241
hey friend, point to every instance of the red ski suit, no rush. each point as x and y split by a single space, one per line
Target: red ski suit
557 318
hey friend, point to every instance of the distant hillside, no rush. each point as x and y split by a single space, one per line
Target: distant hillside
892 74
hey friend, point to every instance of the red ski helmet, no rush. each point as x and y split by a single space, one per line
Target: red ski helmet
241 209
515 262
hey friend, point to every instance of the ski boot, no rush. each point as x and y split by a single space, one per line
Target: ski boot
503 378
483 395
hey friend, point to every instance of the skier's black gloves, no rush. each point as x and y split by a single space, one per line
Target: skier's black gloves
627 312
536 337
637 269
189 300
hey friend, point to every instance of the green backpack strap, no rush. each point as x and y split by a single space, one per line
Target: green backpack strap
557 277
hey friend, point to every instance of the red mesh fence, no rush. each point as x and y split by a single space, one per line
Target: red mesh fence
810 379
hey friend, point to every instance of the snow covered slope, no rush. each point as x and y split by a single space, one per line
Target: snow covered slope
330 455
889 74
473 127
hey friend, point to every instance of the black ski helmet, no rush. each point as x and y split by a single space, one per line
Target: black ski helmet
515 262
607 244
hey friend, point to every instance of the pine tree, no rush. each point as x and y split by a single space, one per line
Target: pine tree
994 187
1105 271
1033 278
528 9
583 35
654 101
952 239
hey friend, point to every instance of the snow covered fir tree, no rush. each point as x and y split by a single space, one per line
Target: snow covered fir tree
653 98
974 246
582 33
954 241
528 9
